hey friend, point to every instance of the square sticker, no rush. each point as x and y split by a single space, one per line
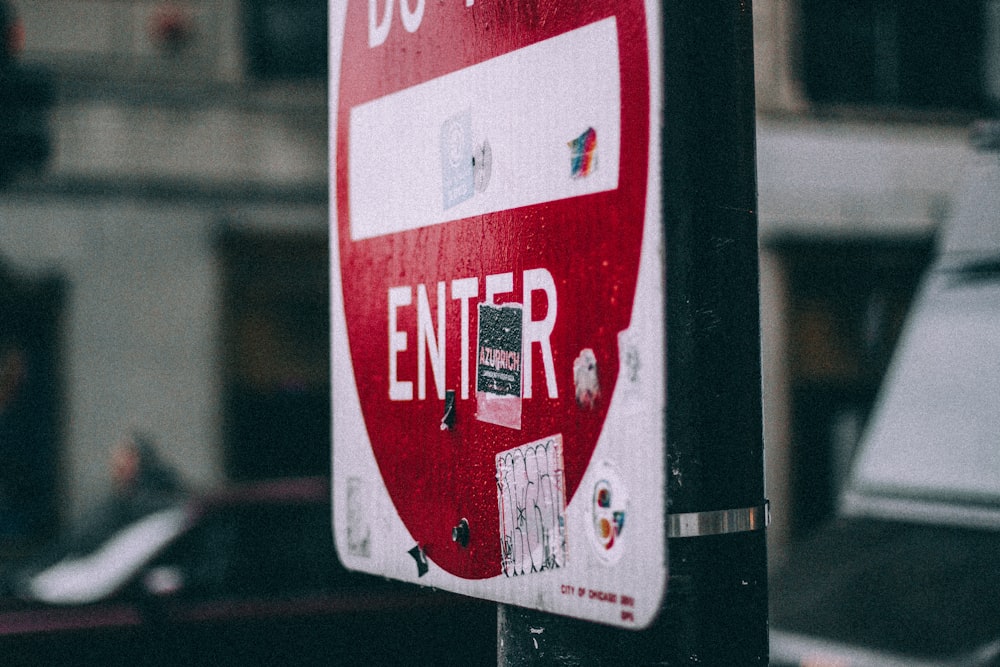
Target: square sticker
531 499
498 365
457 165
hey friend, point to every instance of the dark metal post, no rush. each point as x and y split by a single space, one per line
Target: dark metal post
715 612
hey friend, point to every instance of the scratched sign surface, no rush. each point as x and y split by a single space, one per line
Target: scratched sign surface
498 373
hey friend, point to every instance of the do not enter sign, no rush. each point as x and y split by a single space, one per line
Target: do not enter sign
498 364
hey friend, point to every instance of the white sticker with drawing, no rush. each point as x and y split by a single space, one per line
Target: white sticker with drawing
531 498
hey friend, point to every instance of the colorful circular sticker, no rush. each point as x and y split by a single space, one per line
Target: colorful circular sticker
609 513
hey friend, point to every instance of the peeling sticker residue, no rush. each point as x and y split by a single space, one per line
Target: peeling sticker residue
358 530
420 557
457 171
631 374
482 165
531 498
585 380
448 420
498 368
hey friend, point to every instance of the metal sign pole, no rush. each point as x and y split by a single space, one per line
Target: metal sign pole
715 610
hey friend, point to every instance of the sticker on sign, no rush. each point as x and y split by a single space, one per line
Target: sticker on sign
497 301
518 102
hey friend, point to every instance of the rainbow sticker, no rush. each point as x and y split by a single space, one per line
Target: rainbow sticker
583 154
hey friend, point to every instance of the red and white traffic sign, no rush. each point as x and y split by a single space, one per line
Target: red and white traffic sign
498 346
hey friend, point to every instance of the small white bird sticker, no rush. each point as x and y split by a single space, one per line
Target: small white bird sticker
588 387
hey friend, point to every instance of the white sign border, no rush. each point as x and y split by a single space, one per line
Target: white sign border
374 540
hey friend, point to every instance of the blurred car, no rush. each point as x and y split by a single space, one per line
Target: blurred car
246 576
909 571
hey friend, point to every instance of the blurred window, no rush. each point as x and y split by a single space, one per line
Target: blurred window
286 39
913 54
31 401
847 301
276 341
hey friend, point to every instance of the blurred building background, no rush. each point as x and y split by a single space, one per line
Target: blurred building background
864 110
168 269
179 234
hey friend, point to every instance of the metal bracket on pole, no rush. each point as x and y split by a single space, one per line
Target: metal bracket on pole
719 522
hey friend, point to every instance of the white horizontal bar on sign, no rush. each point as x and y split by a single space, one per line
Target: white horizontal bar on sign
411 154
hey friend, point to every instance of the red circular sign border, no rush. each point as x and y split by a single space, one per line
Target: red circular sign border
437 477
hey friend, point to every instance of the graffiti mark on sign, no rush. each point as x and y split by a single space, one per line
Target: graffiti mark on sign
531 498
